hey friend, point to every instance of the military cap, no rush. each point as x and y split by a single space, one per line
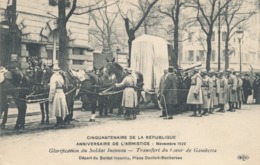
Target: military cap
204 71
55 67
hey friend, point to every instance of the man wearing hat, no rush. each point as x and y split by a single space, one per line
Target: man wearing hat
206 88
247 88
57 99
129 100
169 91
3 96
232 90
223 86
195 94
239 91
215 91
161 86
256 88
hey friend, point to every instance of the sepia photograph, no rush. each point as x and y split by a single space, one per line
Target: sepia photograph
129 82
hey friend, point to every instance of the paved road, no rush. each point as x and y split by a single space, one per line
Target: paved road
222 138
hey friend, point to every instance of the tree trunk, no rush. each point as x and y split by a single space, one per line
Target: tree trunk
209 48
131 38
226 52
63 39
176 48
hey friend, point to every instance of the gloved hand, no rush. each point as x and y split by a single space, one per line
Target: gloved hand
209 94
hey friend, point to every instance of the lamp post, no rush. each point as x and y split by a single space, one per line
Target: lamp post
240 35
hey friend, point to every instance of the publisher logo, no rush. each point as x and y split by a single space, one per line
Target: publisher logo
243 157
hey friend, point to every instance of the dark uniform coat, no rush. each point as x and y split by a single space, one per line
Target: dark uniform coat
170 89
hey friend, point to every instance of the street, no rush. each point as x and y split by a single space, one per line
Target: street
224 136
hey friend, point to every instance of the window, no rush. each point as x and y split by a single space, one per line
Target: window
78 51
50 53
224 35
55 2
202 55
190 37
213 55
191 55
213 36
77 62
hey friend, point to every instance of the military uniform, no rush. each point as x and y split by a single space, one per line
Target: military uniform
57 99
247 88
129 100
232 91
223 86
170 92
195 94
161 86
206 89
240 94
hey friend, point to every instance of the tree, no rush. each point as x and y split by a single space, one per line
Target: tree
173 12
104 30
63 38
132 30
231 20
62 23
207 14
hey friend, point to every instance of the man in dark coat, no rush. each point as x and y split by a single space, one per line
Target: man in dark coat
161 86
256 88
247 88
170 92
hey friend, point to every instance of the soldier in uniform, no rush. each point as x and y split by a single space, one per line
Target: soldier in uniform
195 95
206 88
239 91
57 99
129 100
161 86
215 92
232 90
170 92
247 88
223 86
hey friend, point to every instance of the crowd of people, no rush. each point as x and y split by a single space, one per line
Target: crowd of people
206 91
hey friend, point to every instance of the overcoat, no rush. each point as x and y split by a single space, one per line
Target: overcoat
215 92
170 89
206 88
129 99
232 89
161 86
256 89
247 87
195 88
240 95
57 105
223 87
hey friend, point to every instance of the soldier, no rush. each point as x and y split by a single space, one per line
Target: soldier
195 95
247 88
161 86
223 86
186 86
57 100
129 100
239 91
215 92
232 90
170 92
206 88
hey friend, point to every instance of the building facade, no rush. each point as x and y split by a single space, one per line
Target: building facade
37 25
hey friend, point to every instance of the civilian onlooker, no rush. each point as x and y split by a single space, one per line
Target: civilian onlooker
247 88
256 88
